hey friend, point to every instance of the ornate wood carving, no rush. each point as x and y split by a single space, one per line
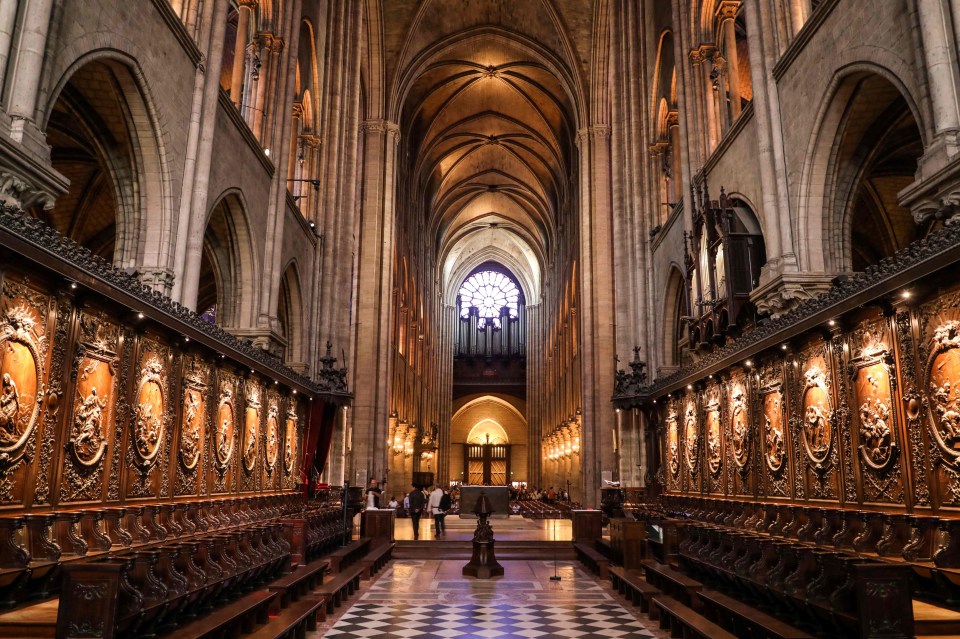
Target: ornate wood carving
873 381
23 361
291 439
714 434
940 322
94 376
150 421
55 391
774 431
194 420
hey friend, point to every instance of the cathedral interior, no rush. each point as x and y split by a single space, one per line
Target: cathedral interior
480 318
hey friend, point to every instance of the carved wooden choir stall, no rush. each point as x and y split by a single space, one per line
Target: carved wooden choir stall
150 463
810 469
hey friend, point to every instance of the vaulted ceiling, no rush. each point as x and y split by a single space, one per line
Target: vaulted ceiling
487 99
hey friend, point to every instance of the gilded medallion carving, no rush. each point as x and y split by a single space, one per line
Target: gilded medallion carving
774 440
194 416
251 427
943 379
691 436
739 426
149 412
817 425
22 345
714 447
273 435
872 387
673 443
290 440
225 424
95 370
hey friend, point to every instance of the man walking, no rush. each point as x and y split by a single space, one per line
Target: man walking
417 501
436 497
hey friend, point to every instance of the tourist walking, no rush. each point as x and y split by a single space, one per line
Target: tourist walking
417 502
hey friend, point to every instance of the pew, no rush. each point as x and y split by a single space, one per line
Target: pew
294 621
671 582
343 557
300 581
632 585
683 621
231 620
338 589
376 559
746 621
597 562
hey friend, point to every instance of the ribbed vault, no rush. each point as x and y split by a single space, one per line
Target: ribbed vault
490 126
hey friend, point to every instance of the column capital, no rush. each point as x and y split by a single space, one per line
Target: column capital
593 131
381 126
247 4
728 9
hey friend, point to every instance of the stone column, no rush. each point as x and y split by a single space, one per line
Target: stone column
596 311
244 9
372 318
707 52
727 11
936 191
799 12
196 174
8 18
26 79
698 107
673 122
269 55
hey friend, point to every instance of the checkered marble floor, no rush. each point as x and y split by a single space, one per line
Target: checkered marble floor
430 599
595 621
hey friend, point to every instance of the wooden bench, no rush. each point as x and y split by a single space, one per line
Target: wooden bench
674 583
685 622
589 555
340 587
299 582
343 557
293 622
744 620
376 559
633 586
230 620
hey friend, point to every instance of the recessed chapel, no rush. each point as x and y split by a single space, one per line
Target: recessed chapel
647 309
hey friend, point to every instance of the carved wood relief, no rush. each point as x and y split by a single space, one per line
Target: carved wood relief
251 451
740 432
713 433
151 414
90 426
96 408
874 429
194 422
940 330
23 362
672 449
691 439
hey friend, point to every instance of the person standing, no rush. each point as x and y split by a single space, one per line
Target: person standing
417 502
434 505
373 495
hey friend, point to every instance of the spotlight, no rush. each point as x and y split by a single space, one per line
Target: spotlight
139 315
748 363
783 347
689 387
266 152
905 295
832 323
73 285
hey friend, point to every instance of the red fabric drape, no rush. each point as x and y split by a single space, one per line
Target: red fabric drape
320 425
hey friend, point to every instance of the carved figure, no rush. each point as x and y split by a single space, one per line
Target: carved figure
147 428
817 429
191 430
739 427
223 439
874 432
88 422
690 434
9 410
673 444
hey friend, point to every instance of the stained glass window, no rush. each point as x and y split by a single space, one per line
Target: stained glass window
489 291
